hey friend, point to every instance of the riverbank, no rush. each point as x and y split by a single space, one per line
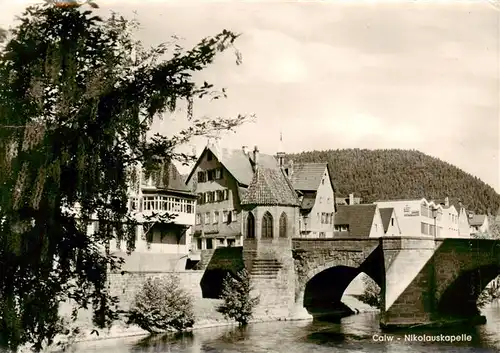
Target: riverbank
206 316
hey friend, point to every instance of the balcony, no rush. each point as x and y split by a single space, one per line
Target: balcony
182 208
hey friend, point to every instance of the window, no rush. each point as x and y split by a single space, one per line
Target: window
216 217
198 244
201 198
210 175
201 177
225 194
322 234
331 218
431 229
231 242
207 218
224 216
376 227
229 217
250 226
209 243
216 195
220 242
283 221
218 173
134 203
392 222
342 228
198 218
235 215
425 229
267 225
209 156
322 181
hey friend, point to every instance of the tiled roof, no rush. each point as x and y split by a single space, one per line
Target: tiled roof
358 217
477 220
237 162
270 187
307 176
386 215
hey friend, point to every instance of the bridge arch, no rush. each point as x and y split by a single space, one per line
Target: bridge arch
323 291
459 298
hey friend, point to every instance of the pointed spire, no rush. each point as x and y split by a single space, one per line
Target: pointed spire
280 154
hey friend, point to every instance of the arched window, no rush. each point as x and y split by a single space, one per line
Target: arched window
267 225
250 225
283 221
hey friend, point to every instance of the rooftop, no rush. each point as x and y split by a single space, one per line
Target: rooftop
270 187
386 215
477 220
358 217
307 176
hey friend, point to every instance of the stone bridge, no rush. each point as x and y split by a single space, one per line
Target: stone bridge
422 280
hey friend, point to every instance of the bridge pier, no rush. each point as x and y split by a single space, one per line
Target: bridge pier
435 283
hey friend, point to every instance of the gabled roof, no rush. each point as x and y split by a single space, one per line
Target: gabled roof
270 187
477 220
386 215
358 217
307 176
236 162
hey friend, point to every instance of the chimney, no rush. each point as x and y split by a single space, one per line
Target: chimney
256 155
245 150
351 199
447 201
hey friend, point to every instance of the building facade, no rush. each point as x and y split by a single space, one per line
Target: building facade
419 217
314 185
164 210
221 178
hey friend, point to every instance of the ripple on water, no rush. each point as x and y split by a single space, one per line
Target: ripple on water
353 334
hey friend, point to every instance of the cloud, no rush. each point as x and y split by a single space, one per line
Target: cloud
338 74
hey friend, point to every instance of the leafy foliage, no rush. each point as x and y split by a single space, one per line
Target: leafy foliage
371 293
162 305
77 96
236 293
395 174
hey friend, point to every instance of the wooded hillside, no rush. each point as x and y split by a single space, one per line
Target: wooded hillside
394 174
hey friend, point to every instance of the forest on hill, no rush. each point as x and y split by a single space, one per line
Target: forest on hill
395 174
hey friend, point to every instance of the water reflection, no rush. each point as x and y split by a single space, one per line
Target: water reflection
354 334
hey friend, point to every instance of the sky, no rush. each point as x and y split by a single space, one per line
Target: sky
419 75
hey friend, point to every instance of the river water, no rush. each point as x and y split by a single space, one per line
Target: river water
354 334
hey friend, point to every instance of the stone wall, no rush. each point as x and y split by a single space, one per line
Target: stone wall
127 285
